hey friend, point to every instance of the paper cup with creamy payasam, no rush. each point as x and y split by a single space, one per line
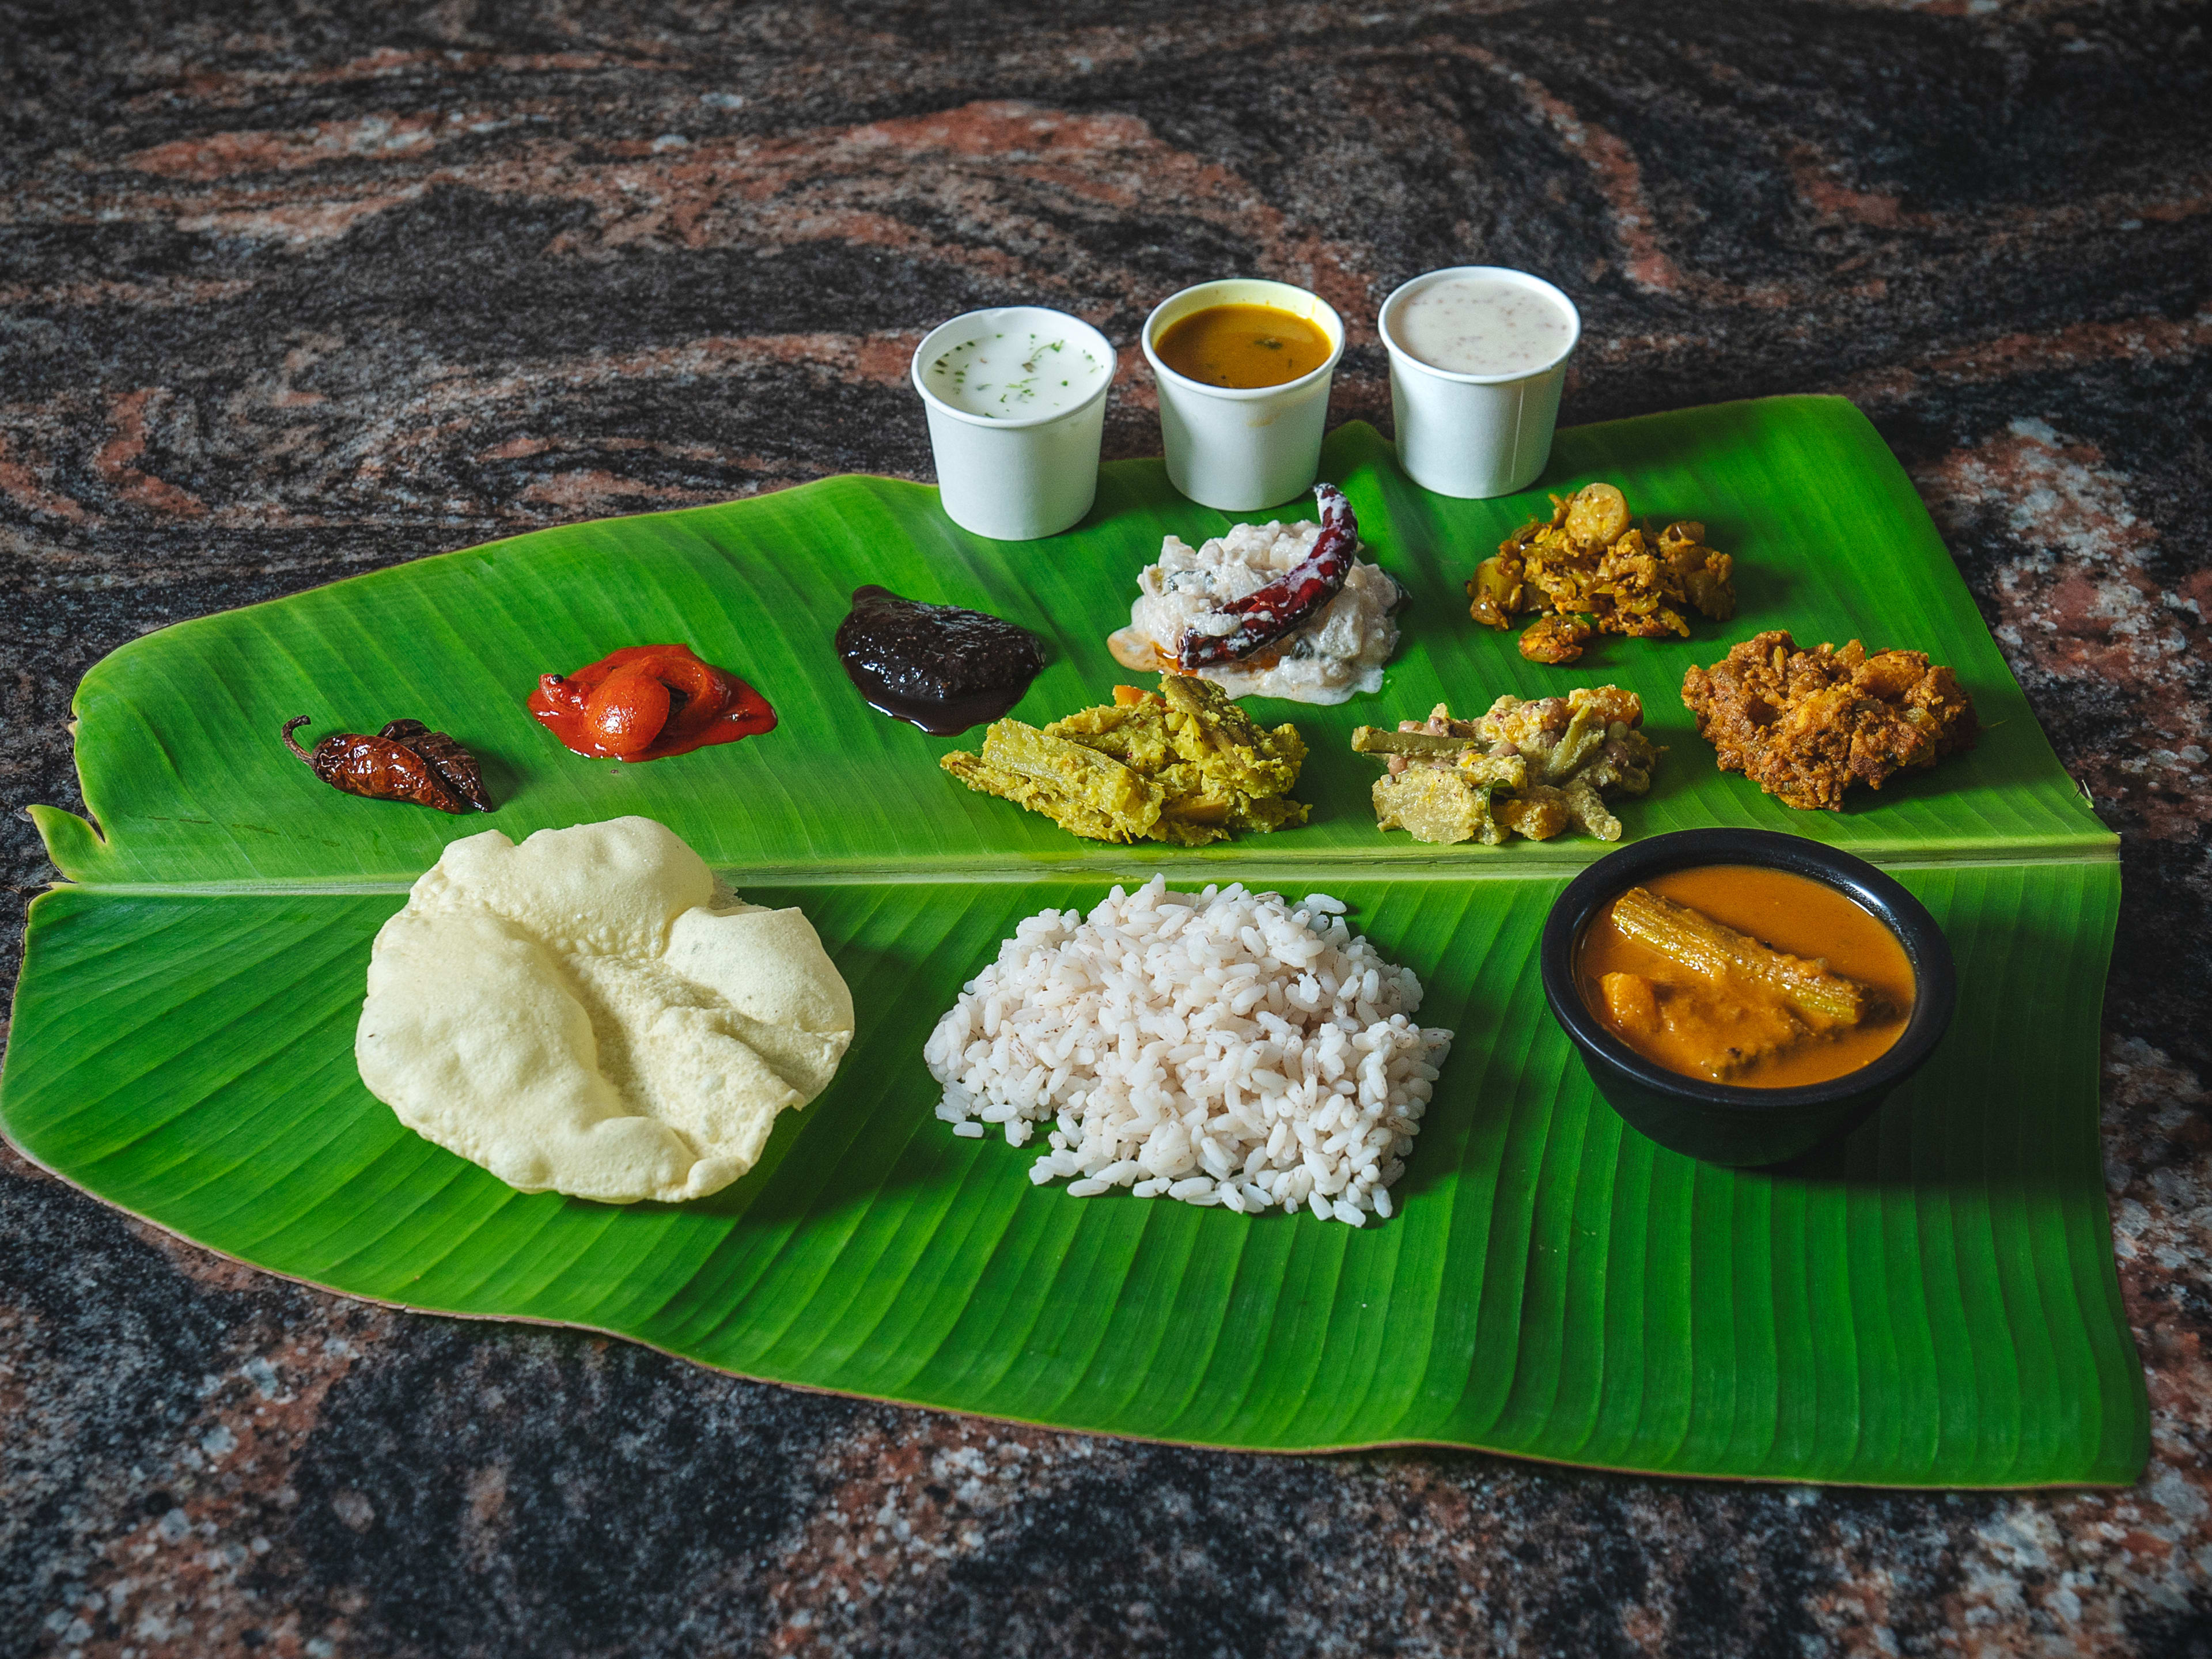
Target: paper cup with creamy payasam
1243 368
1478 357
1016 403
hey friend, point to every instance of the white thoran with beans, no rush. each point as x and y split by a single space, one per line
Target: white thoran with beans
1340 650
1222 1048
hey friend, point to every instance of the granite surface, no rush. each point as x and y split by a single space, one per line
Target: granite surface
290 292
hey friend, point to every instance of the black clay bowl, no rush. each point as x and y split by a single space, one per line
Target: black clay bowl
1721 1123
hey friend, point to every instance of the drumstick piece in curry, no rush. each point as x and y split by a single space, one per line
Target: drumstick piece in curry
1705 946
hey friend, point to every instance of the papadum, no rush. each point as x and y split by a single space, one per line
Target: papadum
587 1014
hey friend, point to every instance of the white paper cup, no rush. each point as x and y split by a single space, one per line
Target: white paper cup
1015 480
1240 449
1474 435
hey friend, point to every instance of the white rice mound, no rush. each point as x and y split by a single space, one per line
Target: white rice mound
1219 1047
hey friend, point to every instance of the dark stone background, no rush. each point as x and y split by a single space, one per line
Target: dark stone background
288 291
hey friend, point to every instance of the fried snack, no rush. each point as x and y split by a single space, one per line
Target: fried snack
590 1012
1595 572
1183 764
1804 726
1524 769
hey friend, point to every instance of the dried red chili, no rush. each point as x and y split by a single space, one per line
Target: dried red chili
452 763
647 703
1285 604
406 761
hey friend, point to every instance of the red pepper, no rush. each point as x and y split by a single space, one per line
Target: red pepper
1267 614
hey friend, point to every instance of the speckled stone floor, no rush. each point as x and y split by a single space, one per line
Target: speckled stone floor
286 294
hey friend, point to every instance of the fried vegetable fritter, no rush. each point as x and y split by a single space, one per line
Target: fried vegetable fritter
1525 768
1182 765
1595 572
1804 726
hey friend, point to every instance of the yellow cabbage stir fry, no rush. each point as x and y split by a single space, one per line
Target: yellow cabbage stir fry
1182 765
1591 571
1524 769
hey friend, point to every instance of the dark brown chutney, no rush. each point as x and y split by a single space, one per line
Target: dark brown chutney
935 666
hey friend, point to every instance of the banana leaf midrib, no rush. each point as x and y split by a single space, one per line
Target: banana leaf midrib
1525 865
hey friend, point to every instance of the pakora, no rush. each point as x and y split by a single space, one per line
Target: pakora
1594 572
1526 768
1804 726
1182 765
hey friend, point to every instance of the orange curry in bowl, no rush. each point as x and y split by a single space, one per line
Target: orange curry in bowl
1242 347
1742 975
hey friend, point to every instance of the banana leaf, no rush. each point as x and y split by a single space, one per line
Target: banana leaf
1932 1302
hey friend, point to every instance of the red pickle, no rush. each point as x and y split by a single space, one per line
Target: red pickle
647 703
